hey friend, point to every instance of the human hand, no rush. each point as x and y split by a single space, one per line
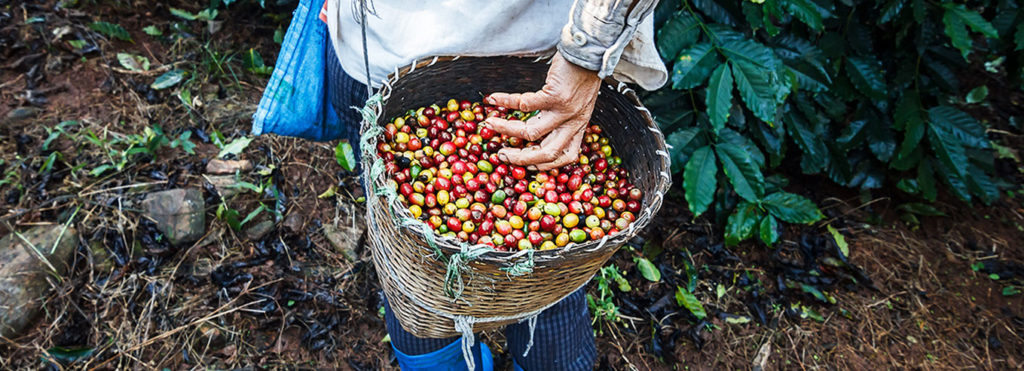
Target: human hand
565 102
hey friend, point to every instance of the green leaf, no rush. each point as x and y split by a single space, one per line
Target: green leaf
815 153
957 32
684 143
1019 37
719 97
881 140
253 214
977 95
743 173
981 184
678 33
840 240
133 62
750 51
922 209
792 208
694 66
686 300
168 79
345 156
700 180
647 269
908 111
253 62
716 11
806 13
957 19
926 180
769 230
740 224
948 150
183 14
866 75
814 291
67 356
279 36
952 160
975 21
1010 291
908 116
964 128
111 30
756 90
891 10
235 147
731 136
152 30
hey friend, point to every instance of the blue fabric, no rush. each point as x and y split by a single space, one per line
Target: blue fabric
448 358
295 102
562 340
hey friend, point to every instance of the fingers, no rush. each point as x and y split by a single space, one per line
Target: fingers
561 147
526 102
532 130
569 155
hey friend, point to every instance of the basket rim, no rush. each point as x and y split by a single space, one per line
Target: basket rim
453 245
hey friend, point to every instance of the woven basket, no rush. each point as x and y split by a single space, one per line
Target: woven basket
405 251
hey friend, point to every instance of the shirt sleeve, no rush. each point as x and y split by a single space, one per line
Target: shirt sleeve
600 30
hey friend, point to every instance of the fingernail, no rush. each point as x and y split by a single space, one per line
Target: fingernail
489 99
531 168
503 157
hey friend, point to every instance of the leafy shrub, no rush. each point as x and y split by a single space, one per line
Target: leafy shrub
865 93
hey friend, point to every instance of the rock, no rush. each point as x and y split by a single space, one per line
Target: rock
20 114
23 273
226 185
102 263
345 239
257 231
294 221
179 214
221 167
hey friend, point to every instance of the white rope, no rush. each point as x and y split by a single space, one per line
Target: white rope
464 325
532 324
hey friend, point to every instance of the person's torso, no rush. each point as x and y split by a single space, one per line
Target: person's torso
406 30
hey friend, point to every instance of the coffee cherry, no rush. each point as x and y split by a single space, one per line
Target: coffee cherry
446 170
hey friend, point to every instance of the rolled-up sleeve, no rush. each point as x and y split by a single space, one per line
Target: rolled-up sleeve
600 30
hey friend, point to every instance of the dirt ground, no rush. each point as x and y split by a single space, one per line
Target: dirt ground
927 295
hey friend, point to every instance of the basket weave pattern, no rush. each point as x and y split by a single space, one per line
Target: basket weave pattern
410 272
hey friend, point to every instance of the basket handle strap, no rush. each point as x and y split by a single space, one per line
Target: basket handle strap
366 53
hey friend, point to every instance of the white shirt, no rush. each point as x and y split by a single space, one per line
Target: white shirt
403 31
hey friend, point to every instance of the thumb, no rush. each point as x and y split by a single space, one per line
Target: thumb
526 102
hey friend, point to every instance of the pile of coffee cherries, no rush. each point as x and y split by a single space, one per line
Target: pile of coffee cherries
445 167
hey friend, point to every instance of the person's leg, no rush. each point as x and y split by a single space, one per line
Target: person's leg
562 340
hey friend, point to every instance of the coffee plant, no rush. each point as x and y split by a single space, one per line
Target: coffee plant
863 92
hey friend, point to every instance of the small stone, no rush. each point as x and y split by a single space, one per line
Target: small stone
102 263
294 221
221 167
257 231
20 114
209 335
345 239
180 214
226 185
23 272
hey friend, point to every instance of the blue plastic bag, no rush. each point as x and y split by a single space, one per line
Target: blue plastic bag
295 102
